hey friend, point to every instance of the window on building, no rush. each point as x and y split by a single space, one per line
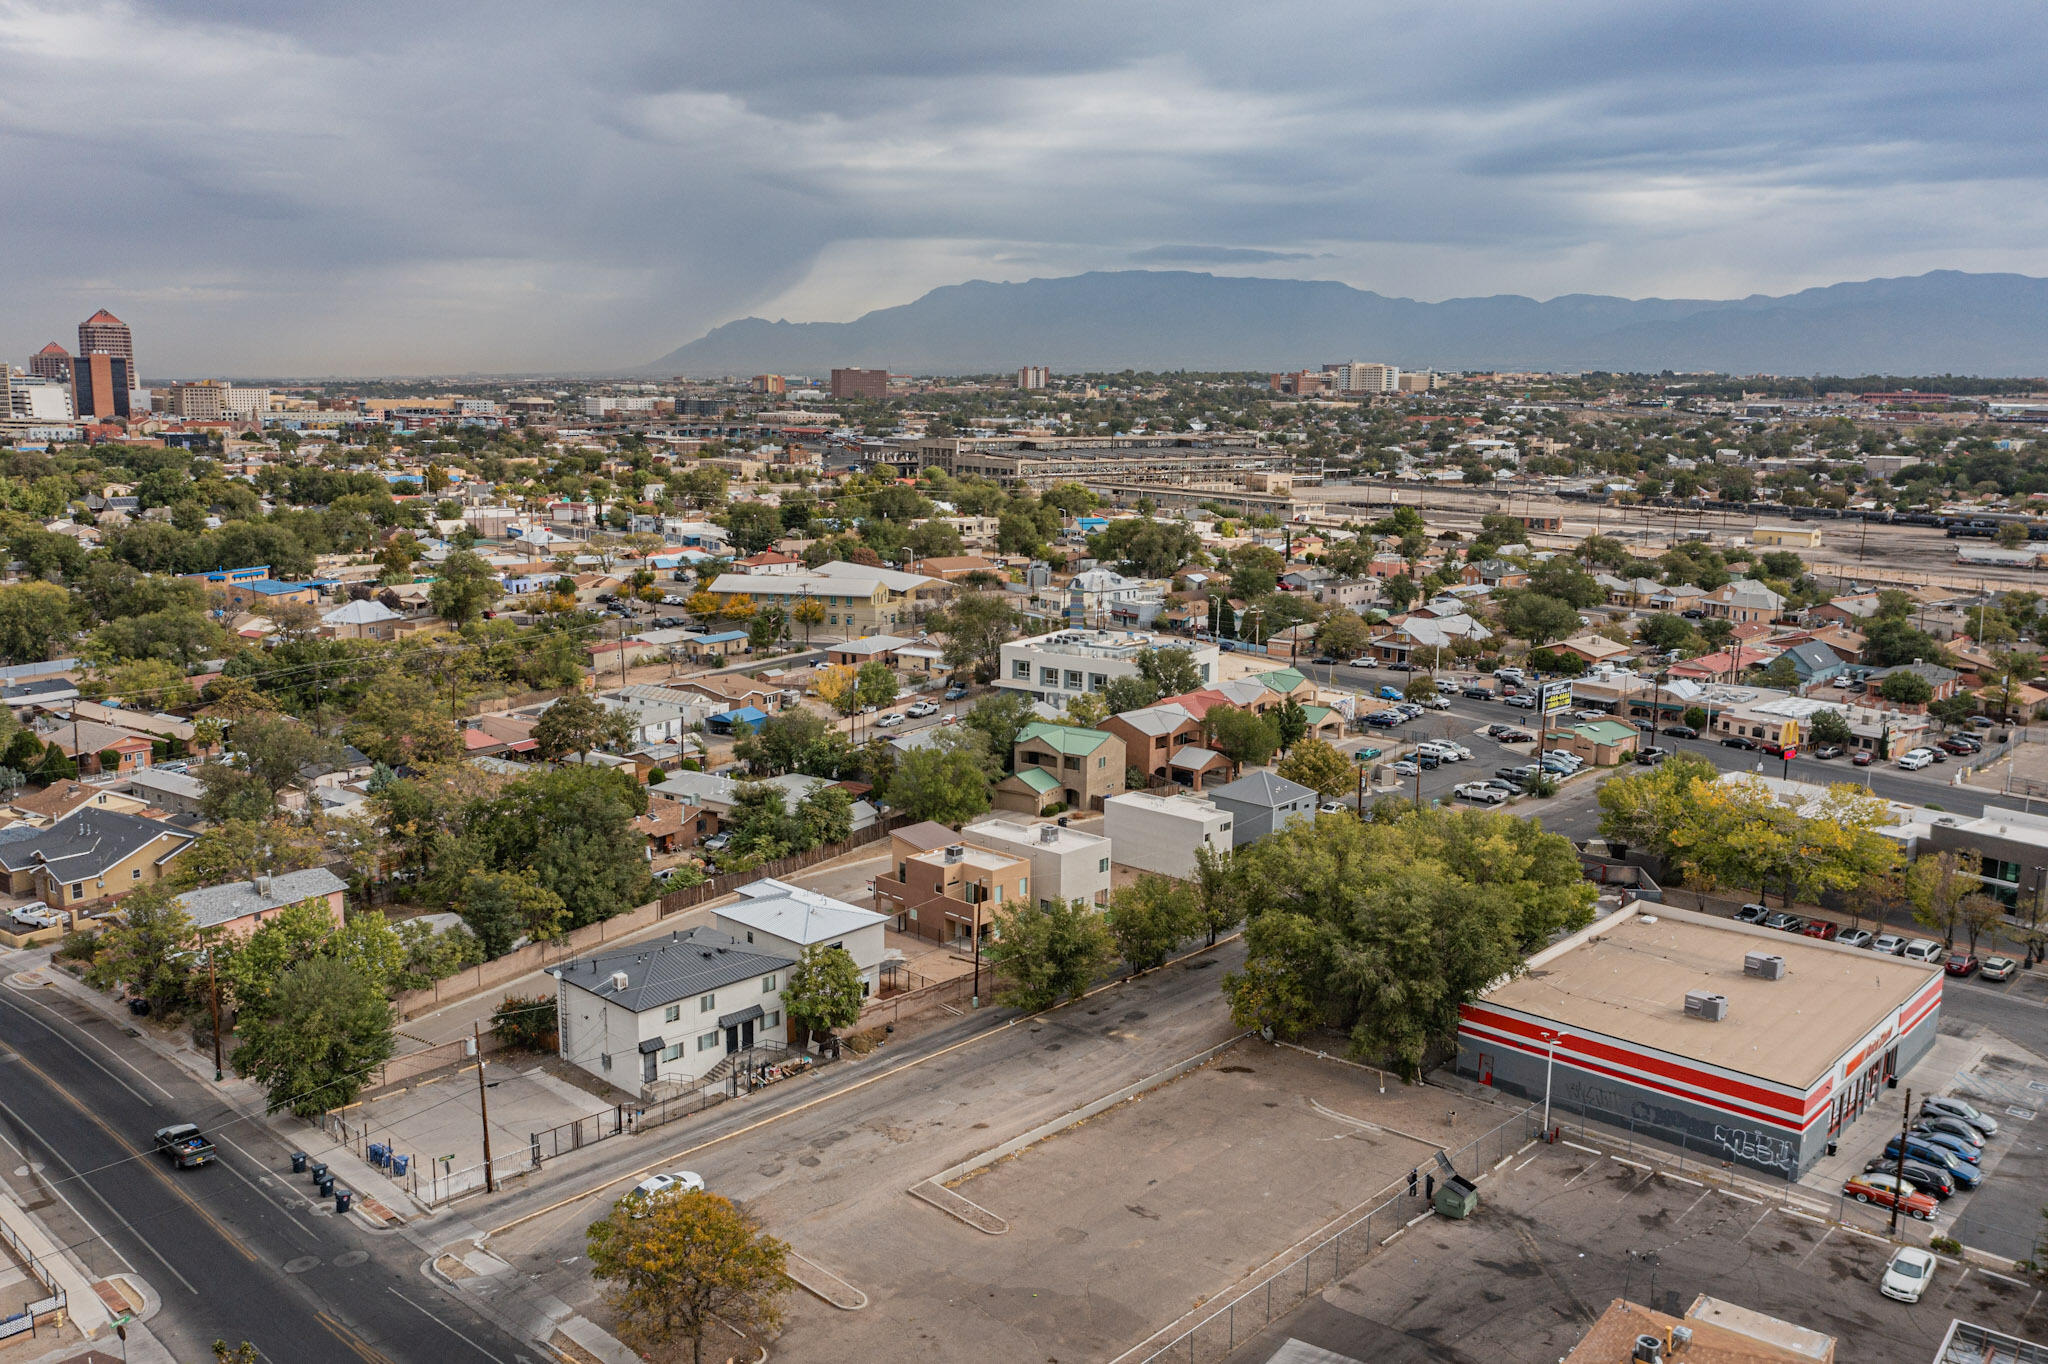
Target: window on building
1048 677
1073 679
707 1041
707 1004
673 1052
135 874
1105 865
773 1019
674 1013
767 985
1021 670
604 1062
1097 681
1023 886
77 889
1995 870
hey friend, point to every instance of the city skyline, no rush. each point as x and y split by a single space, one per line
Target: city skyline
278 202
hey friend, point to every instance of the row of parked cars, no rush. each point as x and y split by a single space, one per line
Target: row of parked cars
1924 1167
1890 944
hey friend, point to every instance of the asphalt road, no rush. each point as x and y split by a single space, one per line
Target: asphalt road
237 1250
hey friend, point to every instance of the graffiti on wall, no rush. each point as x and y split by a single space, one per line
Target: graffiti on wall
1755 1148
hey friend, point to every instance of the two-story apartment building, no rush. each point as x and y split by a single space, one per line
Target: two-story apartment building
1742 601
948 891
671 1010
1066 864
1065 663
1153 736
1088 763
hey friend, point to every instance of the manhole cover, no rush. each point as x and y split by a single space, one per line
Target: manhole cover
301 1265
2023 1114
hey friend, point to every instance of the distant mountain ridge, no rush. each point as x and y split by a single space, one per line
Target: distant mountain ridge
1944 322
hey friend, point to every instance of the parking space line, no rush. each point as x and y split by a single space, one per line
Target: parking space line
1525 1164
1759 1222
1817 1245
1681 1179
1744 1197
1632 1164
1807 1216
1694 1204
1587 1149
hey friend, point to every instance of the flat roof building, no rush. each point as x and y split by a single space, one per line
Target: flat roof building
1744 1043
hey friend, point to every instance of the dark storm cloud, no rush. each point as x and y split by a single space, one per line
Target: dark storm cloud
381 187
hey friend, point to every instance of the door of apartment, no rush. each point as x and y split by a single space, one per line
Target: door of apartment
739 1036
649 1060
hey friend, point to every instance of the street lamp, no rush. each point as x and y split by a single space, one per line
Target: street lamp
1550 1063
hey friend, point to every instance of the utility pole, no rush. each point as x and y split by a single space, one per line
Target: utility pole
1899 1173
483 1108
213 987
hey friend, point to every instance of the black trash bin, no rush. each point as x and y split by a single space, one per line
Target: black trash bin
326 1185
341 1200
298 1162
319 1171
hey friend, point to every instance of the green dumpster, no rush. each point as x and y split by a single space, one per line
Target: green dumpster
1456 1197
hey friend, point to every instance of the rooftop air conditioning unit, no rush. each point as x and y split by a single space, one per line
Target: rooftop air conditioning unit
620 980
1048 833
956 852
1649 1349
1706 1004
1764 965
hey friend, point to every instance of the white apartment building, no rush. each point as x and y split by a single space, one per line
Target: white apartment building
240 401
1161 833
1054 667
31 397
1066 864
1365 377
599 406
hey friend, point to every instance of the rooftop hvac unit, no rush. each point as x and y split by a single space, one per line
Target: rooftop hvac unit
1048 833
956 853
1649 1349
1765 965
1706 1004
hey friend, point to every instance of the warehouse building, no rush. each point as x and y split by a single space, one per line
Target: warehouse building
1740 1043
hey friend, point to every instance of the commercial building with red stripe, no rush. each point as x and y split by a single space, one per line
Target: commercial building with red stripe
1789 1039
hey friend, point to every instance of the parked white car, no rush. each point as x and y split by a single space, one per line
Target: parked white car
663 1186
1923 949
1907 1276
889 721
917 710
1479 792
1914 759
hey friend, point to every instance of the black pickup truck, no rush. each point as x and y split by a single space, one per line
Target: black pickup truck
184 1145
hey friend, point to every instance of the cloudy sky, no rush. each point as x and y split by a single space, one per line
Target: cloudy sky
297 188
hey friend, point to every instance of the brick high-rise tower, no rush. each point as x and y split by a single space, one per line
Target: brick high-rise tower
51 362
105 334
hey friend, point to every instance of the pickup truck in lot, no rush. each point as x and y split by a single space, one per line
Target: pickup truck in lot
184 1145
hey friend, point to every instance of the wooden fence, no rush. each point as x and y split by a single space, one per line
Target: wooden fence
412 1065
675 902
953 994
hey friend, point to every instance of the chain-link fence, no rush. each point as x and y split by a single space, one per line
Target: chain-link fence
1275 1292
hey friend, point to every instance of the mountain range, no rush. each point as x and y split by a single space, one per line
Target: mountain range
1944 322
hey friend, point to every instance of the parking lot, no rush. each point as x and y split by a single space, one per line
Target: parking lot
1560 1234
1118 1225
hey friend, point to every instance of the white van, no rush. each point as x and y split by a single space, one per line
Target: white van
1923 949
1915 759
1443 753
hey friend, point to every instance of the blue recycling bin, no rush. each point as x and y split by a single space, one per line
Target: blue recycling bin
380 1154
399 1164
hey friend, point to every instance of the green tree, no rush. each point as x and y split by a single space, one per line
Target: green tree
1246 739
1400 591
876 683
182 636
823 992
1341 634
399 721
1384 928
676 1269
1905 689
753 526
244 849
1321 768
826 815
1696 718
146 951
1828 727
807 612
577 724
1666 630
1045 954
502 907
464 587
1149 917
975 627
1219 890
1537 618
35 618
1000 717
1145 547
313 1042
1290 722
1938 888
527 1023
573 828
1780 673
276 750
1128 694
231 794
796 740
944 784
1170 669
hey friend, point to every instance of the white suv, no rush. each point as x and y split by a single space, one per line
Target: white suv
1922 949
1915 759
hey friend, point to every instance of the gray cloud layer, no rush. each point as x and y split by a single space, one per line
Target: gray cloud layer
373 187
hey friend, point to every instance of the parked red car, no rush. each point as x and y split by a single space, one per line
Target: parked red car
1861 759
1884 1190
1824 929
1961 964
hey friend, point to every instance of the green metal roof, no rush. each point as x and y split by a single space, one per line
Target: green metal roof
1038 779
1604 731
1064 738
1282 680
1317 714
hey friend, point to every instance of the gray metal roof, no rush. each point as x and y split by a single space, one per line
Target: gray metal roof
660 972
86 843
1261 788
211 905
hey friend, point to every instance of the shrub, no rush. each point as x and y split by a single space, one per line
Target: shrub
526 1024
79 945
